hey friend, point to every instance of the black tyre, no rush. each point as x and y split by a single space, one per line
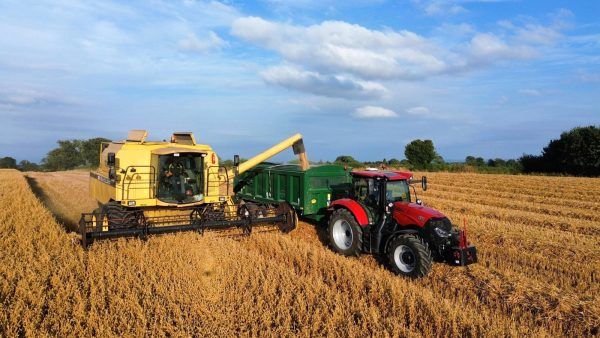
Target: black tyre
345 235
291 218
409 256
119 217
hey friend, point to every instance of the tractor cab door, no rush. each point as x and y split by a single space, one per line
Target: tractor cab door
367 192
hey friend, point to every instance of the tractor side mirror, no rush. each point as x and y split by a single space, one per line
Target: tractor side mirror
236 160
424 183
111 160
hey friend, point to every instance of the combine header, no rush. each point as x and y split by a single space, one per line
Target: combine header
145 187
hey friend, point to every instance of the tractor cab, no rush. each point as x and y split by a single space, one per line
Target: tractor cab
375 190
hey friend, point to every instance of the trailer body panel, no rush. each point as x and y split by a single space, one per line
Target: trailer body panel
308 191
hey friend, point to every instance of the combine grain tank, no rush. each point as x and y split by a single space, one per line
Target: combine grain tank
309 191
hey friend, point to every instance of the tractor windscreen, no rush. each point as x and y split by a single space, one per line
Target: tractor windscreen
397 191
180 178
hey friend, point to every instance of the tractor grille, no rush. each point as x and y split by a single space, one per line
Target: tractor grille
442 223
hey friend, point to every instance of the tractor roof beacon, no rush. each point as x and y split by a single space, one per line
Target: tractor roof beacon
381 216
146 187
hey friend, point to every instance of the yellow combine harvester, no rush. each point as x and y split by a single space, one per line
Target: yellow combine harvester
146 187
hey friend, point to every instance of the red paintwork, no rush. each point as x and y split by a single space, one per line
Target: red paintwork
412 213
355 208
390 175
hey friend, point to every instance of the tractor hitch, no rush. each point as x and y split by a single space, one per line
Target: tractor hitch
464 253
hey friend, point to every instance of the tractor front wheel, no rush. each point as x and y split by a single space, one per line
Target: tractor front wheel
409 256
345 235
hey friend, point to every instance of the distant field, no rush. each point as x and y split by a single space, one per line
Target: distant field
538 240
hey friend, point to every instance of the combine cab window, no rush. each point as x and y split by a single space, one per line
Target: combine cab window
180 178
397 191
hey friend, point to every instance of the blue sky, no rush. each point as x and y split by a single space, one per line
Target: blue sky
486 78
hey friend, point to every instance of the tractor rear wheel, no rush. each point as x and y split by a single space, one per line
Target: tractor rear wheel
345 235
409 256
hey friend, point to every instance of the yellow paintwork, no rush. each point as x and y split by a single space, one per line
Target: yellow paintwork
137 189
276 149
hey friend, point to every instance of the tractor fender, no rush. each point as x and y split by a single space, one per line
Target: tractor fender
414 230
354 207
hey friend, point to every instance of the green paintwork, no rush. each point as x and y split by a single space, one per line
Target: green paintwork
309 192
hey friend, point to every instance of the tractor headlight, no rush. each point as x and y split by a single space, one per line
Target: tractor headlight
441 232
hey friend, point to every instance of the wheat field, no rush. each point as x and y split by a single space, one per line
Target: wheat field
538 242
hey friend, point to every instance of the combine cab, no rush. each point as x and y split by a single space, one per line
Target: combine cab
146 187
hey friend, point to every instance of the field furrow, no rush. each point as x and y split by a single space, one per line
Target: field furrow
537 273
588 208
504 215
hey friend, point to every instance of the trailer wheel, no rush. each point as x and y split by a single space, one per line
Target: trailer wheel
291 218
345 235
409 256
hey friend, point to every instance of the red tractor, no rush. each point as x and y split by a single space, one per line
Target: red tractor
380 217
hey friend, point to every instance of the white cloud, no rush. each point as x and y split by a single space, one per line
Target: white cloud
211 42
340 53
336 46
439 8
538 34
487 48
418 111
373 112
324 85
530 92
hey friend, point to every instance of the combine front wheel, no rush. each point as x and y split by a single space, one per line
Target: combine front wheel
119 217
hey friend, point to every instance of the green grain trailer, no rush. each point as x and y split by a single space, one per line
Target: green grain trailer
308 191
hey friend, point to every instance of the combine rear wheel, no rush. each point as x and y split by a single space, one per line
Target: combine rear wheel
345 235
409 256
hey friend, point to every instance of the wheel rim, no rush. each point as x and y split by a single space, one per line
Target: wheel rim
342 234
405 258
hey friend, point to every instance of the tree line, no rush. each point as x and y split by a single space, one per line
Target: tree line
69 154
576 152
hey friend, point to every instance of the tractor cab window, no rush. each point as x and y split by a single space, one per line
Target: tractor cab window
180 178
397 191
366 191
